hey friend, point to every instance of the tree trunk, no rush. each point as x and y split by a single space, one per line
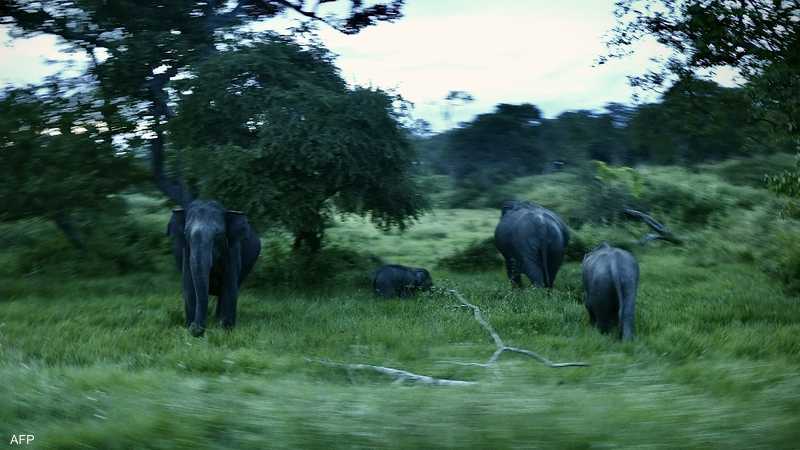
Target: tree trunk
173 187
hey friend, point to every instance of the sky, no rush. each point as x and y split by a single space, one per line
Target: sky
500 51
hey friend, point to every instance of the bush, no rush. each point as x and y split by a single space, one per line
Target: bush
691 204
577 247
781 259
115 245
278 265
478 256
751 171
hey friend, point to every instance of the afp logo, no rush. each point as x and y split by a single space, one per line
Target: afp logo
21 439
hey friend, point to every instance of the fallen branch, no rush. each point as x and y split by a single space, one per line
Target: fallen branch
661 231
403 375
397 374
501 346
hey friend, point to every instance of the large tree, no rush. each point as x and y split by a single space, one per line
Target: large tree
272 128
695 121
138 47
497 146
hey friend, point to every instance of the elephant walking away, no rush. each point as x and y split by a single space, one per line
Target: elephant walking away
610 281
532 240
393 280
214 249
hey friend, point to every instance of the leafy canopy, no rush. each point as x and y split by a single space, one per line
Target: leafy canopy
273 129
56 155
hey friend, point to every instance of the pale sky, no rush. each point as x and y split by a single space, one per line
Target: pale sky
511 51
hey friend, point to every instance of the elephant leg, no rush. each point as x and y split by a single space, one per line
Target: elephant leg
512 272
229 293
592 318
534 273
189 297
227 304
627 312
554 260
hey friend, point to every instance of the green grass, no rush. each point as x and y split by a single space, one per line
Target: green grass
105 362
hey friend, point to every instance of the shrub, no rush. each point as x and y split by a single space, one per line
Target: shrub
115 245
751 171
691 205
278 265
782 259
478 256
577 247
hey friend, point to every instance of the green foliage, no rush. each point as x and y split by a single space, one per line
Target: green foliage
782 258
279 266
115 244
695 121
284 139
56 157
147 43
786 183
752 171
497 146
577 247
758 39
478 256
626 177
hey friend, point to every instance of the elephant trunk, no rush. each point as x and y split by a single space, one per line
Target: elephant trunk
201 259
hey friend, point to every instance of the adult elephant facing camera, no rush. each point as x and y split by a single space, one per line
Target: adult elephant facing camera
532 240
214 249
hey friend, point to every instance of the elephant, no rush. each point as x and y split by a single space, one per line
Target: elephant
610 281
214 249
532 240
393 280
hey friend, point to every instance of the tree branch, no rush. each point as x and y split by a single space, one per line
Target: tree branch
402 375
661 230
498 341
397 374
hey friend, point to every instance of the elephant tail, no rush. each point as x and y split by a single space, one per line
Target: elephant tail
615 278
548 282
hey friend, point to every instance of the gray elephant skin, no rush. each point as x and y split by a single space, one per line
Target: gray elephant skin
532 240
610 281
393 280
214 249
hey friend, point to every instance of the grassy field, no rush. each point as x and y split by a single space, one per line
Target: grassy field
105 363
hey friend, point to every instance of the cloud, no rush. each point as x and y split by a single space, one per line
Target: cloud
508 51
512 52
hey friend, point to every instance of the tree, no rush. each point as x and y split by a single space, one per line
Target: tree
273 129
148 43
57 156
695 121
758 38
497 146
578 136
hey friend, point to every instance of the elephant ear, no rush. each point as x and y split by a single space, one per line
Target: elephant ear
176 223
422 275
236 225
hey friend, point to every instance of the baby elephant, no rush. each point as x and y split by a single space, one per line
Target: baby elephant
393 280
610 280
